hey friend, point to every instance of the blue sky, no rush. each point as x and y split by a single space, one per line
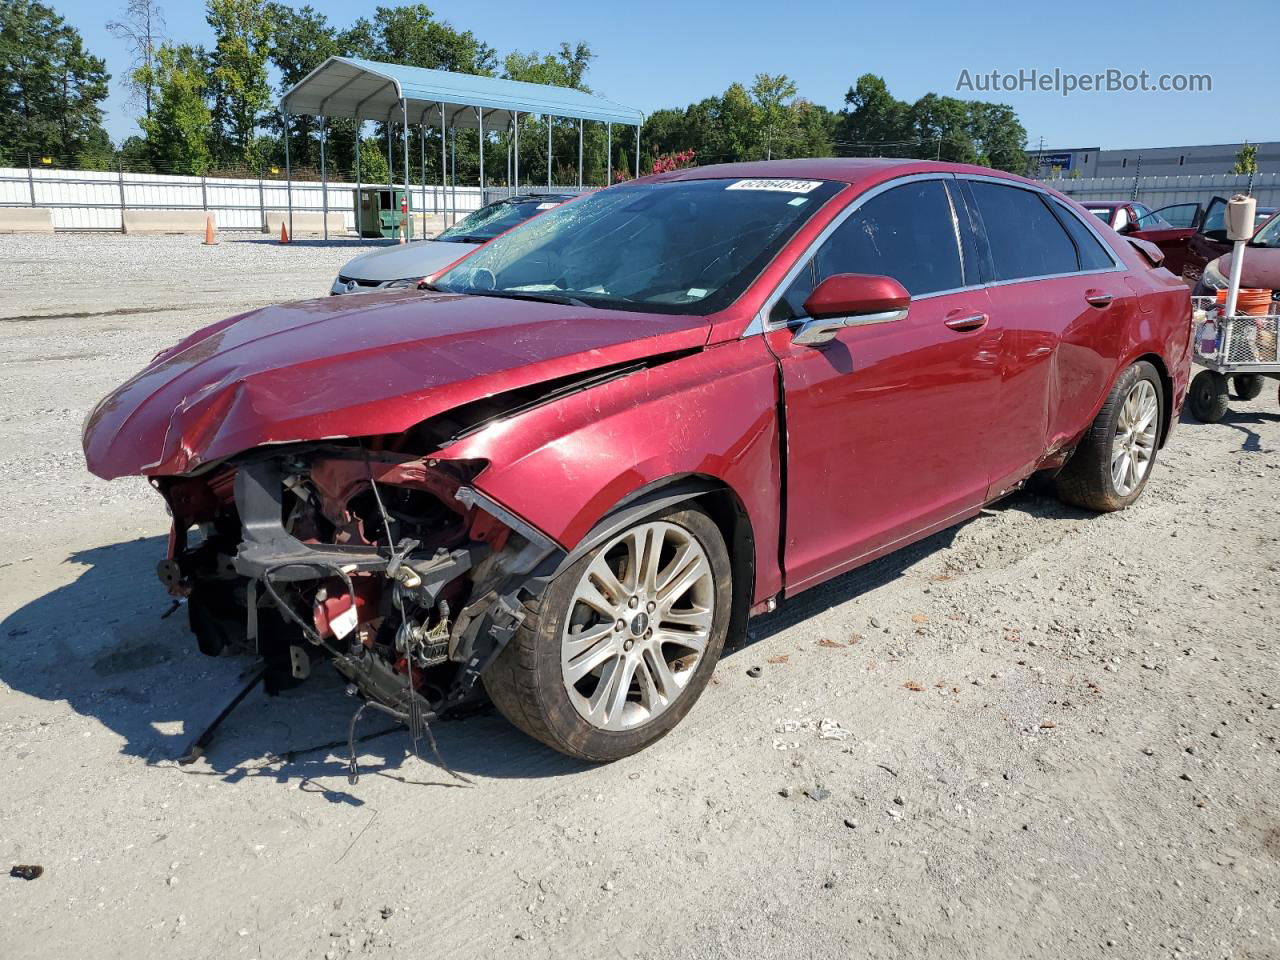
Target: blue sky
661 54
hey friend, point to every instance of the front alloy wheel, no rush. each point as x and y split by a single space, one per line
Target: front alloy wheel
622 642
639 623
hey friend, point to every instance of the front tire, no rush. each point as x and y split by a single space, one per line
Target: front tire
622 643
1114 460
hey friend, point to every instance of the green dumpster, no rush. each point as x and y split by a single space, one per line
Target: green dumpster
378 212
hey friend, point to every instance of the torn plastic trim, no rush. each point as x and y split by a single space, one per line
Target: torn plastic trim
539 547
268 547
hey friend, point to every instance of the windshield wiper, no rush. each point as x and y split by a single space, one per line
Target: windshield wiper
535 296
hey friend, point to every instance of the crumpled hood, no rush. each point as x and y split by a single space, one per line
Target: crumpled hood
347 367
405 261
1260 270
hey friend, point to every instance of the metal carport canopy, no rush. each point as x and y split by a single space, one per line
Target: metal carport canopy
369 90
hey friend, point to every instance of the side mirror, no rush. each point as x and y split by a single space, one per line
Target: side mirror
850 300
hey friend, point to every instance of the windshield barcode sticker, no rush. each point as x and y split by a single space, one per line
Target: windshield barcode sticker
777 186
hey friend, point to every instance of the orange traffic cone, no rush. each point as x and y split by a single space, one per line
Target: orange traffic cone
210 233
284 233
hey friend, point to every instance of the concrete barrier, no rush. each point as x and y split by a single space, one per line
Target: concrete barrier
26 220
165 221
305 224
433 222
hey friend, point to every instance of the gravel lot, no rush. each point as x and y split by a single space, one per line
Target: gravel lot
1061 728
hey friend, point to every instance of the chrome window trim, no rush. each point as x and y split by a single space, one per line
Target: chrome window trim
760 322
955 228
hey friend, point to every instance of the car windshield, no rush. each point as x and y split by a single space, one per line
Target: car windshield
1269 235
690 246
489 221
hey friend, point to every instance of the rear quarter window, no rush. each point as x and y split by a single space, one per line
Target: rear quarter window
1093 255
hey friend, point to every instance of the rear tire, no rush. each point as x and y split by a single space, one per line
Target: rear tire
627 700
1114 459
1247 386
1207 399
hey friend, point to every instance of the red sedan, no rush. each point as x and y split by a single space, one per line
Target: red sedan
584 457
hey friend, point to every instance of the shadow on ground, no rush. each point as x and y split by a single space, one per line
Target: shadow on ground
1240 421
102 644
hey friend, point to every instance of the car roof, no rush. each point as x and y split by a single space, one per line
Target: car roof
851 170
1104 204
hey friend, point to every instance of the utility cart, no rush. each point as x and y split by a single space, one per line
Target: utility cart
1236 351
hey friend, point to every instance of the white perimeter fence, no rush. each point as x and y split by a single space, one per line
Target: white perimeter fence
90 200
1161 191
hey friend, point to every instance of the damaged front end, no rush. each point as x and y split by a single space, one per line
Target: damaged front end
390 565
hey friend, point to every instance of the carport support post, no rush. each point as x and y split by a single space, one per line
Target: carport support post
580 153
444 165
548 152
608 154
637 151
517 152
288 176
480 139
422 165
408 197
359 216
324 182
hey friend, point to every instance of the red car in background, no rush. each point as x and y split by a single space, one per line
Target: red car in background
1132 219
599 444
1189 235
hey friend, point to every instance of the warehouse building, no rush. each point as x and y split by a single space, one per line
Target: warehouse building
1207 160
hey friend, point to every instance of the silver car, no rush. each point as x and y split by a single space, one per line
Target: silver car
402 266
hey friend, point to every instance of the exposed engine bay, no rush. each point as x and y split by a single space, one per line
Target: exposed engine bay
388 565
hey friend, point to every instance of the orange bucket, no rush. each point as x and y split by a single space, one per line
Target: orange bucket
1250 302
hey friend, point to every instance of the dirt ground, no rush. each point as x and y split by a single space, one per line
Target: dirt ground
1061 728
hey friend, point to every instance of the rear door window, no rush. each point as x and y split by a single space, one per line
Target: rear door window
1025 238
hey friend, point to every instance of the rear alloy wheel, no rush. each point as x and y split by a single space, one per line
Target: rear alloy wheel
1247 386
622 643
1115 457
1207 397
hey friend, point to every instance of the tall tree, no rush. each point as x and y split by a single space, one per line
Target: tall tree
141 28
301 40
772 96
1246 159
875 123
52 88
179 129
238 76
412 35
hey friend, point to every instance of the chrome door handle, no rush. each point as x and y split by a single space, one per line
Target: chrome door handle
965 322
1096 298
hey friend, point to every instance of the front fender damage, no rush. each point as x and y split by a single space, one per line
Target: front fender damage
393 567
